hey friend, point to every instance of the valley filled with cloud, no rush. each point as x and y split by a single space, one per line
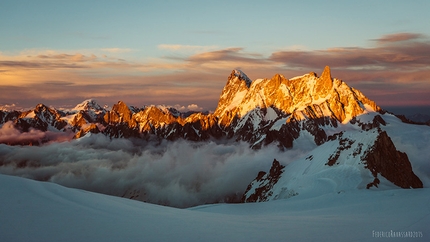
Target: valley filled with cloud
180 174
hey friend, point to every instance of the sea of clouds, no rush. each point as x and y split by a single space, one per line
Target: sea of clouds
179 173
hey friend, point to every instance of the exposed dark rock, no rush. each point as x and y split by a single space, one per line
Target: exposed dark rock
91 129
344 144
266 181
6 116
376 123
121 130
373 184
384 159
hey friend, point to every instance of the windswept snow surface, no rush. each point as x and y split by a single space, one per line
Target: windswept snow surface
39 211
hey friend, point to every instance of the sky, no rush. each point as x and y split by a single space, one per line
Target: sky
180 53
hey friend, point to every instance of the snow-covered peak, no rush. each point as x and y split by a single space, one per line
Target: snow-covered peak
89 104
169 110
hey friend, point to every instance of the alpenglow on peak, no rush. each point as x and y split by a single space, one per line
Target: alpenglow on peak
302 97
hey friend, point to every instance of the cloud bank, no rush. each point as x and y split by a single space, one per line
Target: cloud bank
392 70
10 135
179 174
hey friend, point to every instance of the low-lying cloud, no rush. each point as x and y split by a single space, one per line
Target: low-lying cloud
13 136
179 174
9 134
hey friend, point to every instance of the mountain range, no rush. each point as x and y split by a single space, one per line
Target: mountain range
259 112
349 133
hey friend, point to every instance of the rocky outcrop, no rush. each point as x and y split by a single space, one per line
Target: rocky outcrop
260 189
384 159
90 129
80 119
344 144
120 113
6 116
376 123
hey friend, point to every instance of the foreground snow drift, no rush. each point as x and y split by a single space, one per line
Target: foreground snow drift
38 211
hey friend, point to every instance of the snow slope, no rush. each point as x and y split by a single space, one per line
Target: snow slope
38 211
339 164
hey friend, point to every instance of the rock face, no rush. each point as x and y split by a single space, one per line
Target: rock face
384 159
90 129
260 188
6 116
120 114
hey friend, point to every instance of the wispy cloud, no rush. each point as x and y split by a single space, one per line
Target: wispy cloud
78 57
399 37
230 54
117 50
190 107
383 57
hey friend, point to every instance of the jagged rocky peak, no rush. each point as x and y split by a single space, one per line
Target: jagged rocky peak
120 113
307 96
123 109
232 94
41 106
324 84
42 110
278 78
241 76
326 74
153 116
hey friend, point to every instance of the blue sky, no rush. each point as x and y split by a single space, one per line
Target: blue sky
256 25
181 52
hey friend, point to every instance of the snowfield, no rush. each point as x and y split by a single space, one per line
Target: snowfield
40 211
